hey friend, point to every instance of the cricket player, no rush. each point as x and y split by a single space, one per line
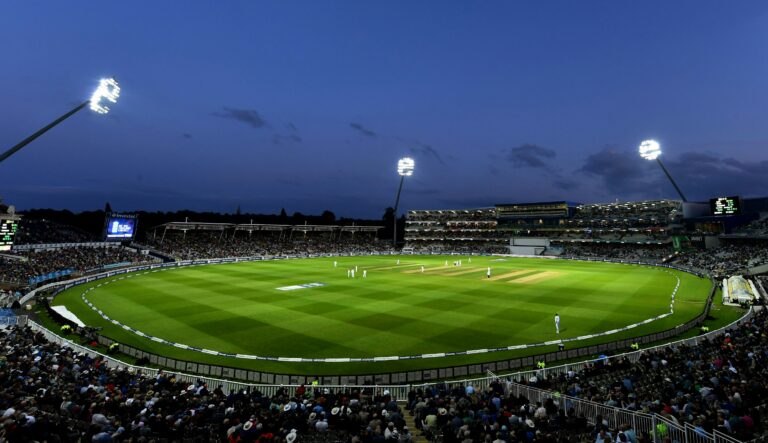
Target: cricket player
355 268
334 263
349 273
557 323
353 273
488 274
365 273
422 268
398 261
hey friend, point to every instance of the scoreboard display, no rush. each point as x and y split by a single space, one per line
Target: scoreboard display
725 206
8 230
120 227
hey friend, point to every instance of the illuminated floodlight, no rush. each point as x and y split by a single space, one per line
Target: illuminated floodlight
108 91
405 166
650 149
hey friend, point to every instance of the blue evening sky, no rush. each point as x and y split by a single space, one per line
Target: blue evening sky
307 105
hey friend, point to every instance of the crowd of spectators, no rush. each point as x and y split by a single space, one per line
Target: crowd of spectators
194 245
716 385
649 253
33 231
33 263
463 414
458 246
51 393
757 228
728 259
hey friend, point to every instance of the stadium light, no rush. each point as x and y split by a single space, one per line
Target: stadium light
108 91
651 150
405 168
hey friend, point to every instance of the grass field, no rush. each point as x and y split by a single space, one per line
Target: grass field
397 310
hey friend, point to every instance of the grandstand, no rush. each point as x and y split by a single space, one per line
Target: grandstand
624 395
562 223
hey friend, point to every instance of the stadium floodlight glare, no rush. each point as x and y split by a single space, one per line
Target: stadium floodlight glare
108 91
651 150
405 168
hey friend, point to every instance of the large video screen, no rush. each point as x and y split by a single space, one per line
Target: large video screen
8 230
725 206
120 227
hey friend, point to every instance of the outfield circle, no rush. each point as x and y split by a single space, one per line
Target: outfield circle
364 359
373 359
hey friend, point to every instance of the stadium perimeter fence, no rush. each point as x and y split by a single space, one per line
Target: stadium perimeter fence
394 378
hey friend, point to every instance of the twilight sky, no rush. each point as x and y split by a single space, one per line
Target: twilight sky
308 105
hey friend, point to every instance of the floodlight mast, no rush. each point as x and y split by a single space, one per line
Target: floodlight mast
108 90
405 169
650 150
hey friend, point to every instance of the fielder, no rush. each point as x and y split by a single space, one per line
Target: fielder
365 273
349 272
557 323
488 274
334 263
422 268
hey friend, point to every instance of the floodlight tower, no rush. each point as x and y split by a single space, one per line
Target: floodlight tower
405 169
107 92
650 150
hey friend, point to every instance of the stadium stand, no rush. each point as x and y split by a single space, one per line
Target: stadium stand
490 229
718 385
728 259
51 393
27 264
190 241
33 231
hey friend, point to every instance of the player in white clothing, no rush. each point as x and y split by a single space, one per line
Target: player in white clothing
557 323
334 264
349 272
365 273
422 268
488 274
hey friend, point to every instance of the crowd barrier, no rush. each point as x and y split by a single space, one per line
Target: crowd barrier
417 376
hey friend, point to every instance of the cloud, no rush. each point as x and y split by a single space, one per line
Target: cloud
706 175
700 175
530 156
248 116
282 139
362 130
619 170
425 150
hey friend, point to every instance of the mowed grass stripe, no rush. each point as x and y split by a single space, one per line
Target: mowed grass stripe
236 306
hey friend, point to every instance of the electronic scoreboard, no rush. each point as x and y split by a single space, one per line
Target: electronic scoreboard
725 206
8 228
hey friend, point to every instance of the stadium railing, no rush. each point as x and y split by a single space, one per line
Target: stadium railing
395 378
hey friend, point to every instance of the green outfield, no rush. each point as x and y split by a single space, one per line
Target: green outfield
397 310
